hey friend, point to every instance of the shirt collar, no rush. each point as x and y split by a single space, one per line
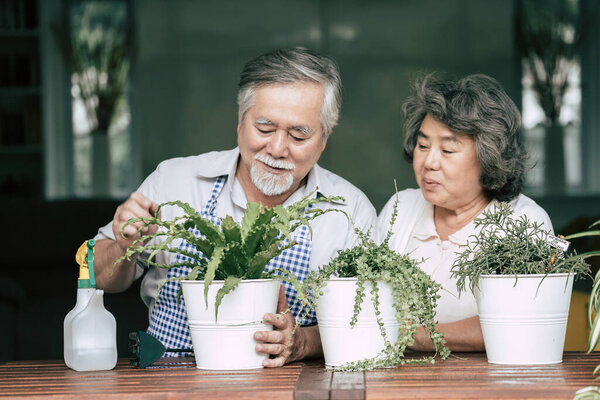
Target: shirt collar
317 181
425 227
224 164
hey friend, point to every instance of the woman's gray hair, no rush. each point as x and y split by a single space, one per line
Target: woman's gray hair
475 105
289 66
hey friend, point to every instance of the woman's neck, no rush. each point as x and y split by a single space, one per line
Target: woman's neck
449 221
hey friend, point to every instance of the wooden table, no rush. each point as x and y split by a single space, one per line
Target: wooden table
468 376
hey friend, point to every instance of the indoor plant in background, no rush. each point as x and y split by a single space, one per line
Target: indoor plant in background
522 282
228 291
370 302
96 39
549 40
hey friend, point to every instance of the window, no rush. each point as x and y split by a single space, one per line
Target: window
535 125
549 37
99 55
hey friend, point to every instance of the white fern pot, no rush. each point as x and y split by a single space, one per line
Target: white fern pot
228 343
335 307
524 323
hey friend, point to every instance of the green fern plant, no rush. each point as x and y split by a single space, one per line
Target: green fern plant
414 293
511 246
231 252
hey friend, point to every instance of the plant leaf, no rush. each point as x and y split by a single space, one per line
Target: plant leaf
250 216
231 230
259 261
583 234
594 335
254 240
211 232
234 262
231 282
211 267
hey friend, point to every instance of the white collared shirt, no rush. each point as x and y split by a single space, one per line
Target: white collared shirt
415 234
191 179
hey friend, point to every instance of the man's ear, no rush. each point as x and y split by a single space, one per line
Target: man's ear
324 139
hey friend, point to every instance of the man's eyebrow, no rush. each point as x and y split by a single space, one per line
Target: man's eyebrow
302 129
264 121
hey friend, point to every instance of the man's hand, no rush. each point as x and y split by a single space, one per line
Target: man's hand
136 206
279 342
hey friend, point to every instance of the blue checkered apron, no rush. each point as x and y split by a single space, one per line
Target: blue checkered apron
168 322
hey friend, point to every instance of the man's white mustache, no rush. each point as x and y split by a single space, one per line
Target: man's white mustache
274 163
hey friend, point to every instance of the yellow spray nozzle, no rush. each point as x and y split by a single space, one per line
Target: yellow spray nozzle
84 257
80 257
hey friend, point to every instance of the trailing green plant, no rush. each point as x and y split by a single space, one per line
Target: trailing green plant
232 252
414 293
591 392
511 246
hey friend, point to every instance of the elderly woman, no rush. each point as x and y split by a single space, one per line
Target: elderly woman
462 140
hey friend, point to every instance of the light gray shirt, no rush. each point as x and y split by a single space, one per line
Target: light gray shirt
190 179
414 233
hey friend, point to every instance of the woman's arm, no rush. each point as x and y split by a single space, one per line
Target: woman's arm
463 335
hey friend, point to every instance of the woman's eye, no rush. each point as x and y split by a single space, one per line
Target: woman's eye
447 151
421 146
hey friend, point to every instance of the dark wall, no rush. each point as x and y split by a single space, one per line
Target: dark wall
189 55
38 275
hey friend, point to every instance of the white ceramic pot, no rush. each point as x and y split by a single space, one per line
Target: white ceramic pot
524 323
335 307
228 342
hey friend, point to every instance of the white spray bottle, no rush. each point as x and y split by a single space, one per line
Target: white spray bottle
90 331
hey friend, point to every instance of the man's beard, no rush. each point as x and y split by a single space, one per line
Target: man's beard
271 184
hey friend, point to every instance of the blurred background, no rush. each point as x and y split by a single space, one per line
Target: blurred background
95 93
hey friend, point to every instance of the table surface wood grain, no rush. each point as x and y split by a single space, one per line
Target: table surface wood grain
463 376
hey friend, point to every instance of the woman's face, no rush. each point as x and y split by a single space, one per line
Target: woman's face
446 166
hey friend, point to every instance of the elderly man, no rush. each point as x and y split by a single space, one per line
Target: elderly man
289 102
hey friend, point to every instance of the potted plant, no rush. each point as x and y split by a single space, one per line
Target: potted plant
228 291
369 302
522 283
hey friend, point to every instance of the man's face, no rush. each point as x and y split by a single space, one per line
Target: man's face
280 137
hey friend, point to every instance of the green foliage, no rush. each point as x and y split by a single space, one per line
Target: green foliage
233 251
591 392
510 246
588 393
414 292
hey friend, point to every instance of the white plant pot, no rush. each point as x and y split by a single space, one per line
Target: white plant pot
524 324
228 343
335 307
